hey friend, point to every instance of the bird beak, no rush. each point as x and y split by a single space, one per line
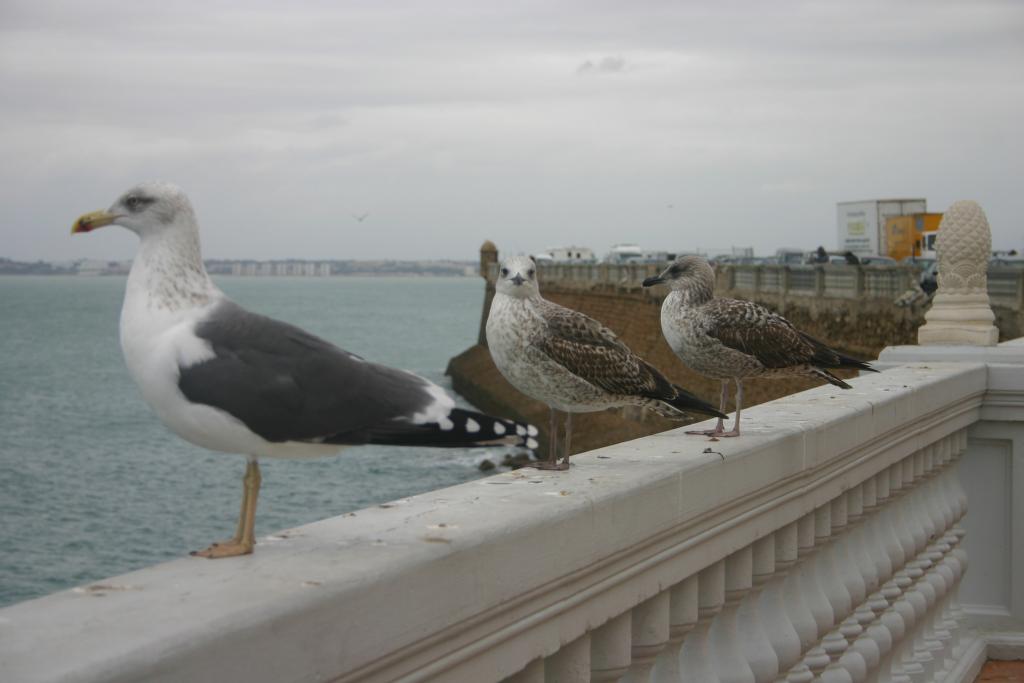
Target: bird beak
655 280
518 279
91 221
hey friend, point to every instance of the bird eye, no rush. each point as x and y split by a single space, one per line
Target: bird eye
530 272
504 272
133 203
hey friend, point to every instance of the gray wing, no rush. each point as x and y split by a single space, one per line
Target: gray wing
288 385
771 339
592 352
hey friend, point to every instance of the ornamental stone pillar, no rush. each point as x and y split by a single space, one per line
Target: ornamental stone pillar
960 313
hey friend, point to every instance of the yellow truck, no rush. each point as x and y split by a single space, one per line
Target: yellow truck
912 235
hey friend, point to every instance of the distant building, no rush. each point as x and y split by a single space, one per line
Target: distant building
281 268
91 267
632 253
571 254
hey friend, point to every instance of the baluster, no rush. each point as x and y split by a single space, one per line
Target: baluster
817 600
837 642
610 650
892 619
904 644
730 663
571 664
957 533
891 623
753 632
649 636
938 575
918 661
847 566
950 621
911 606
937 635
910 515
695 658
796 590
800 674
884 529
950 562
859 519
828 574
865 651
918 518
782 606
887 627
682 610
835 673
924 594
899 490
872 538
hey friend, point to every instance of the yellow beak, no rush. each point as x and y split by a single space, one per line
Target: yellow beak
91 221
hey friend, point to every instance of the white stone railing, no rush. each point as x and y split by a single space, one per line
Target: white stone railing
826 544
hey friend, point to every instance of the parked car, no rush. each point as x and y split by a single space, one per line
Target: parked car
1006 261
919 262
929 277
877 261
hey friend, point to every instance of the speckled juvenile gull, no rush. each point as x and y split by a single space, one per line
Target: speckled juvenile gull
732 339
234 381
569 361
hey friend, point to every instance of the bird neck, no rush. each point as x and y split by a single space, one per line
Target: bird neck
693 292
522 295
169 269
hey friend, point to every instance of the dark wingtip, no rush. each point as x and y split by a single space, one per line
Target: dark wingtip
684 400
832 379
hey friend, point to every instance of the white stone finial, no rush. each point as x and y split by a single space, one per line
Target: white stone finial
961 313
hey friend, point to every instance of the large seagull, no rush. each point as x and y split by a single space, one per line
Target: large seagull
230 380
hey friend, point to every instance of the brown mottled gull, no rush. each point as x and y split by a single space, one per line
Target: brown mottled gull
732 339
569 361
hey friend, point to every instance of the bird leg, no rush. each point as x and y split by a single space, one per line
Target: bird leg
568 439
720 427
245 536
739 406
552 462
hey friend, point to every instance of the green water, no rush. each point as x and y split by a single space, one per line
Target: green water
92 485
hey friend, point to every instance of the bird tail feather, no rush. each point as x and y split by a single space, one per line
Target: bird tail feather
832 379
461 429
854 363
826 357
685 401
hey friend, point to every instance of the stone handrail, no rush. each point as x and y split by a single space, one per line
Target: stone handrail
825 544
1005 283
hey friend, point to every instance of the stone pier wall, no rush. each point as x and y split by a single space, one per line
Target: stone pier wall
634 314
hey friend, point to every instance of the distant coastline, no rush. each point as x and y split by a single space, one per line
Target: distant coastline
253 268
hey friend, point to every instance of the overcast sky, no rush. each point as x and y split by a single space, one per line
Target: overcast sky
676 125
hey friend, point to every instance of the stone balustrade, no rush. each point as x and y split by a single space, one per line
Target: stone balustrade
834 281
826 544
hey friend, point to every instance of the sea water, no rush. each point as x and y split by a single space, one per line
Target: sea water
93 485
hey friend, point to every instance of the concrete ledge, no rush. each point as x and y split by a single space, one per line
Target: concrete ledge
473 581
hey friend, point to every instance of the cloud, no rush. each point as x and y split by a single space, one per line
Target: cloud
465 121
605 65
